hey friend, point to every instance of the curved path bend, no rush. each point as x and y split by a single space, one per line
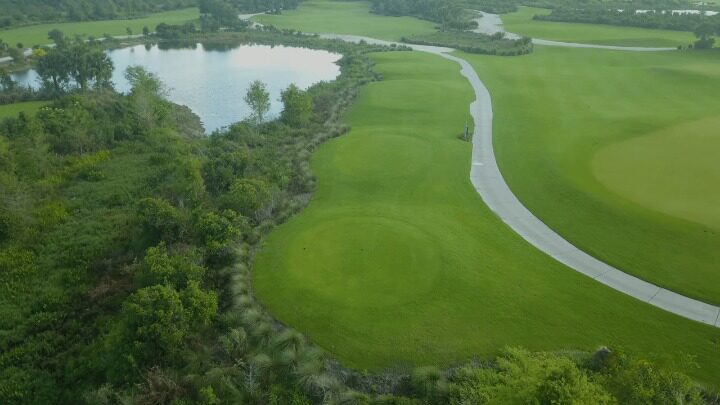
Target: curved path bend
489 24
488 181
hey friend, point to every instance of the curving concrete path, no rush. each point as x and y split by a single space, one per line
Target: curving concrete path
489 24
488 181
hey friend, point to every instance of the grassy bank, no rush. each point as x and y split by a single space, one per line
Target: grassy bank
617 151
397 260
11 110
38 34
521 22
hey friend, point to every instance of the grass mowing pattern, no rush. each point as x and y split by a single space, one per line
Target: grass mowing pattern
338 17
12 110
567 127
38 34
397 260
521 22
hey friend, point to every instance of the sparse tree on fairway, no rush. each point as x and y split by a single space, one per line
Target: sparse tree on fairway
704 32
298 106
258 99
146 31
57 36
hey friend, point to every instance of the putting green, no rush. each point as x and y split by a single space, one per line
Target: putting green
521 22
397 259
672 171
343 17
617 151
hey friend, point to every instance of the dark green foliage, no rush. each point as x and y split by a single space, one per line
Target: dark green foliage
161 221
298 106
475 43
74 64
247 196
174 31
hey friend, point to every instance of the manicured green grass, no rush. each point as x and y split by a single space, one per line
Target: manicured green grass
38 34
12 110
521 22
397 259
341 17
618 152
675 171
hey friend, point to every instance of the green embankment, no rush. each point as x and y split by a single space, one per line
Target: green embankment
11 110
521 22
397 260
618 152
337 17
38 34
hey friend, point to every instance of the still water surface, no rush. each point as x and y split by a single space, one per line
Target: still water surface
213 81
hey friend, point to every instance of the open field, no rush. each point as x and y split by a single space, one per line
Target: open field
521 22
11 110
337 17
398 260
38 34
617 152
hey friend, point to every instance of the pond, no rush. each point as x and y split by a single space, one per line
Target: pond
213 81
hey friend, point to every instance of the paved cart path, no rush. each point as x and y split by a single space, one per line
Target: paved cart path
488 181
489 24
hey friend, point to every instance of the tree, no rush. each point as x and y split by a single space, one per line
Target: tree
129 31
153 325
160 220
258 98
247 196
54 71
176 270
6 81
148 94
704 33
217 232
298 106
57 36
146 31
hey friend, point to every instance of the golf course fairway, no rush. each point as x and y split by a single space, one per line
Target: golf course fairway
521 22
397 259
568 121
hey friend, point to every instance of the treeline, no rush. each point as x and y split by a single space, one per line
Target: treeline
660 19
21 12
472 42
449 14
509 6
125 237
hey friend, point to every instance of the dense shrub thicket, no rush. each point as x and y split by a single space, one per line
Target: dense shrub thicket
125 238
473 42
